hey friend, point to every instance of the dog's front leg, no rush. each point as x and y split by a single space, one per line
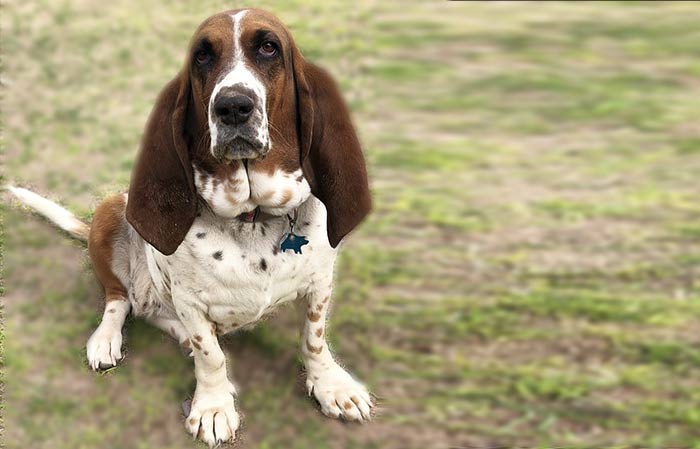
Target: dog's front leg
213 417
340 395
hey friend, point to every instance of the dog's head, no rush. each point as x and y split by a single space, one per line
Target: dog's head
246 99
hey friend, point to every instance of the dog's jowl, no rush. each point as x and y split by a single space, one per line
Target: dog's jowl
249 176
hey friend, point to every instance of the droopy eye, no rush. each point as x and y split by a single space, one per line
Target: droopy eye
202 57
268 49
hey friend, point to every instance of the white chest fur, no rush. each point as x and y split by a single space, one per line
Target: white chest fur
235 271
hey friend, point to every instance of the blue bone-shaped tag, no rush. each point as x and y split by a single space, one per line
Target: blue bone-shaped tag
293 242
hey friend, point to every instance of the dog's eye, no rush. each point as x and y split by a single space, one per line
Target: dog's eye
268 49
202 57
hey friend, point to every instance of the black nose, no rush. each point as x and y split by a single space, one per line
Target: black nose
234 109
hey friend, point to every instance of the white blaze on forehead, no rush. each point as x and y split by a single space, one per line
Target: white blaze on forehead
237 47
240 74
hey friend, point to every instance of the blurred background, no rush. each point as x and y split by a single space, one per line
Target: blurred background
529 276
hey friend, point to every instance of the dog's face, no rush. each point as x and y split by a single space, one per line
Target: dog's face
241 72
247 123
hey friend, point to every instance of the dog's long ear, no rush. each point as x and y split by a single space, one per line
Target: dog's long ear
162 201
331 156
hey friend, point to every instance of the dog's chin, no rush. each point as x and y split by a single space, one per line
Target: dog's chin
239 149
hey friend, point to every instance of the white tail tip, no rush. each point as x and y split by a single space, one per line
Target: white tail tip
63 218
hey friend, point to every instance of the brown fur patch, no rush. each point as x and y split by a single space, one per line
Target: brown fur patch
198 337
286 196
314 349
319 307
196 345
107 225
348 405
266 196
319 332
313 316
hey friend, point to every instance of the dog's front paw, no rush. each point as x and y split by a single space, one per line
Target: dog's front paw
213 417
339 395
104 347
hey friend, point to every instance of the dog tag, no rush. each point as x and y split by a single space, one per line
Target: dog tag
290 240
293 242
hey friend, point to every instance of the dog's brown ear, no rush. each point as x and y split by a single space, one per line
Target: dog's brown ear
162 201
331 156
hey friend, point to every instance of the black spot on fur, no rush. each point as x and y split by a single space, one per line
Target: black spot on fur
300 178
242 256
306 223
218 255
201 235
263 264
275 250
262 230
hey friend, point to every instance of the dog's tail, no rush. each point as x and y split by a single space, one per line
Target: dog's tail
63 218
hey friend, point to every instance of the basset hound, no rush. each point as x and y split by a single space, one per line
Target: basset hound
249 176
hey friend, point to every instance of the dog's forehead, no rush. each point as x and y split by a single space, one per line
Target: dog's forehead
228 24
256 19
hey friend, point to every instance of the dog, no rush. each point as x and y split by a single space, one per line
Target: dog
248 152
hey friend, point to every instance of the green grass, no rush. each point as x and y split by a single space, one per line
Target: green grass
530 275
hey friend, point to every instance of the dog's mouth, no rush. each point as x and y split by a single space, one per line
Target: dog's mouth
240 148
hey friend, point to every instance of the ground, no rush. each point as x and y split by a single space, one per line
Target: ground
529 275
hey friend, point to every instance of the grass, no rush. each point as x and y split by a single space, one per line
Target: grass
530 275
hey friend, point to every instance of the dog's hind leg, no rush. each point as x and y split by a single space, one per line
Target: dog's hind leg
106 242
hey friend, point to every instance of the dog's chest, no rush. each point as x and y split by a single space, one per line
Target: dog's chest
237 272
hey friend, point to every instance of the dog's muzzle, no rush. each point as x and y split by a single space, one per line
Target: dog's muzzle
239 120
